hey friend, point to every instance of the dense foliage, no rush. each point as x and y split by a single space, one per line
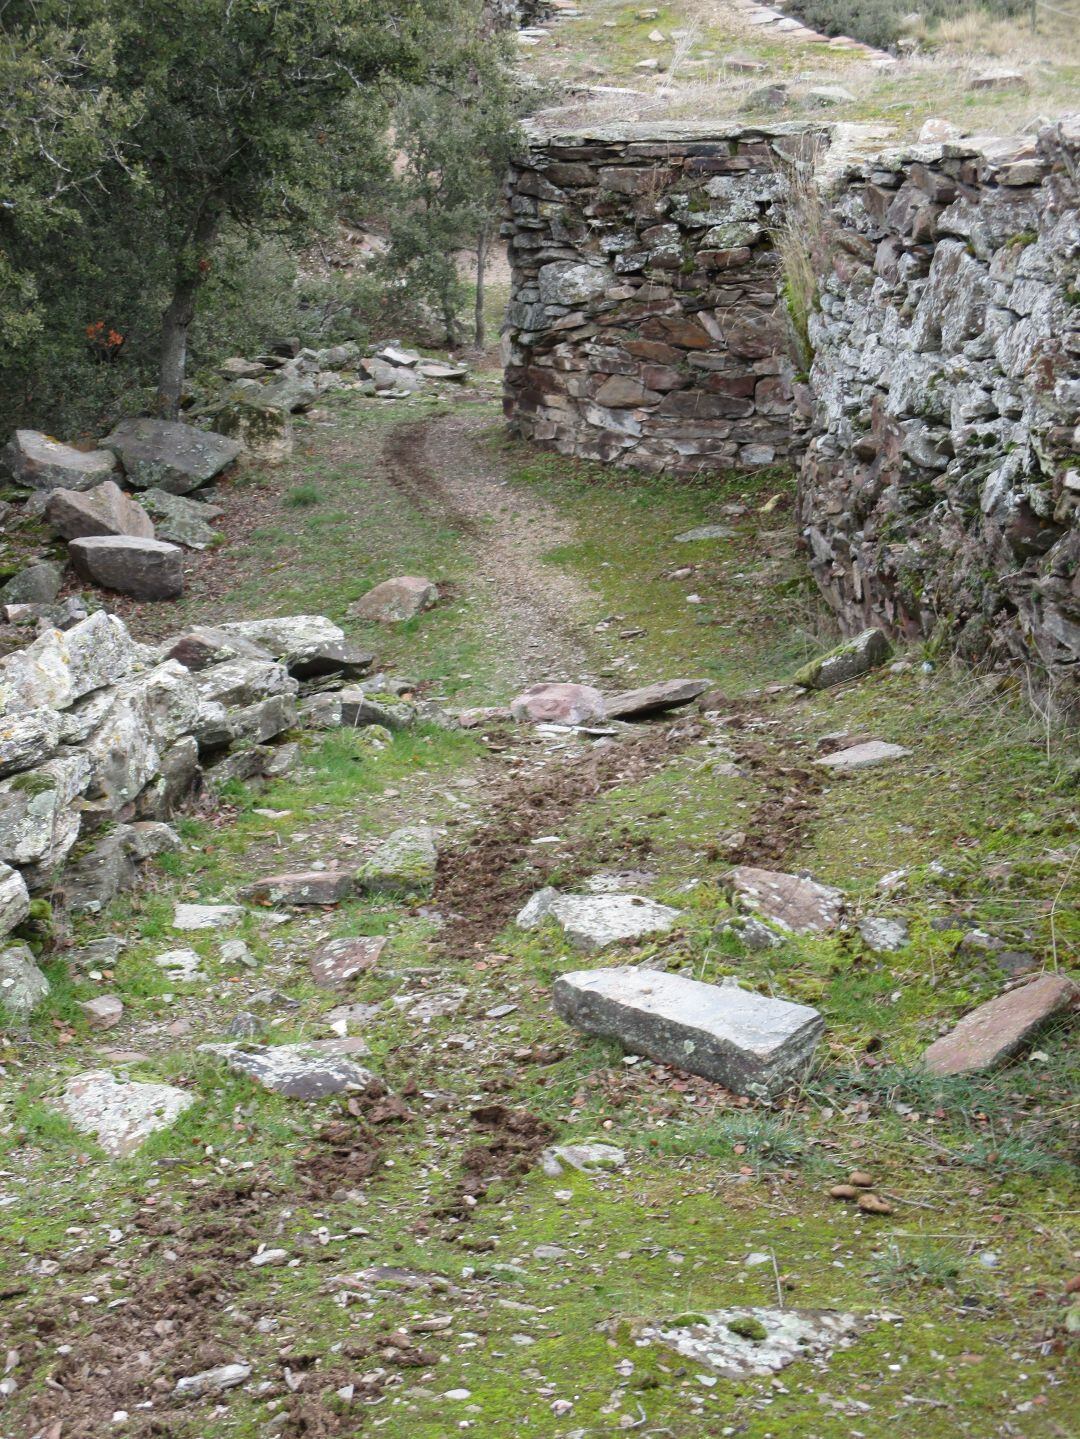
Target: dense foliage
884 22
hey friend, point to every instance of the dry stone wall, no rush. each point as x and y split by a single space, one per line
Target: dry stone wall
645 325
941 487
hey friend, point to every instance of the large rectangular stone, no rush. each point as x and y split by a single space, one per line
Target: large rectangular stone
751 1043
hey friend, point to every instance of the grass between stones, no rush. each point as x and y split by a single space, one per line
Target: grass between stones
967 1274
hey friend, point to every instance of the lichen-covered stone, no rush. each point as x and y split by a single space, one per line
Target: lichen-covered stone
404 864
847 661
167 455
63 665
23 987
41 463
121 1115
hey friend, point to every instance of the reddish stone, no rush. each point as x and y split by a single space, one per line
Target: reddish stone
343 959
800 905
621 392
723 259
654 350
996 1030
677 330
559 704
315 886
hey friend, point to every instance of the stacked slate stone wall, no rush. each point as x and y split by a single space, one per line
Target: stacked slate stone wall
941 487
645 325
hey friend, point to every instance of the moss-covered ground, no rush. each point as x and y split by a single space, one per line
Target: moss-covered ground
520 1294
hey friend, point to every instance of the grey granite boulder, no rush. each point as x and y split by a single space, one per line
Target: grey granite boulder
300 1071
592 922
847 661
39 463
310 646
62 666
14 899
121 1115
243 682
863 756
38 584
39 821
207 916
104 510
182 521
23 987
143 569
751 1043
28 739
404 864
167 455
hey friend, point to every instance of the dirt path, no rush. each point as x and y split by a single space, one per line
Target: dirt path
533 609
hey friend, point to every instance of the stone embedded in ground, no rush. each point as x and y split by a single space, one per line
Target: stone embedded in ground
167 455
704 532
436 1004
751 1043
883 936
591 922
537 908
440 370
300 1071
404 864
999 78
313 886
207 916
104 1012
212 1381
143 569
588 1158
863 756
847 661
737 1343
104 510
39 463
654 698
402 598
343 959
753 933
182 521
38 584
569 704
14 898
61 667
23 987
997 1030
800 905
180 964
824 96
120 1115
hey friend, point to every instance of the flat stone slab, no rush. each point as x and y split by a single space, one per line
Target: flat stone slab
704 532
847 661
751 1043
569 704
801 906
144 569
299 1071
863 756
591 922
167 455
588 1158
997 1030
184 965
120 1115
404 864
207 916
652 699
883 936
343 959
313 886
736 1343
40 463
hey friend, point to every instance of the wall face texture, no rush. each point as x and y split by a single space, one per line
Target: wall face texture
644 326
939 431
942 480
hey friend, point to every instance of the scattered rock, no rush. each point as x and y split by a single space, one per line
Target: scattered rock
23 987
121 1115
39 463
569 704
863 756
104 510
999 78
104 1012
315 886
183 965
166 455
341 960
212 1381
143 569
801 906
705 532
310 646
205 645
207 916
847 661
825 96
393 601
751 1043
300 1071
404 864
936 131
260 424
997 1030
593 922
589 1158
182 521
652 699
736 1343
61 667
883 936
38 584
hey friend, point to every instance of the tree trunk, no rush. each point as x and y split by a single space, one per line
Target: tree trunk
481 265
178 316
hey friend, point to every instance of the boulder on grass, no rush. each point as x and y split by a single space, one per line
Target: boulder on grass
259 425
402 598
993 1033
120 1114
23 987
143 569
568 704
403 865
38 584
182 521
847 661
39 463
104 510
166 455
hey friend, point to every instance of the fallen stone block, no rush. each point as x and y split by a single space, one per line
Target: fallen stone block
204 646
300 1071
38 463
403 865
243 682
143 569
104 1012
207 916
182 521
569 704
801 906
396 600
751 1043
212 1381
847 661
120 1115
863 756
23 987
1002 1027
315 886
592 922
104 510
310 646
167 455
38 584
341 960
653 699
260 425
